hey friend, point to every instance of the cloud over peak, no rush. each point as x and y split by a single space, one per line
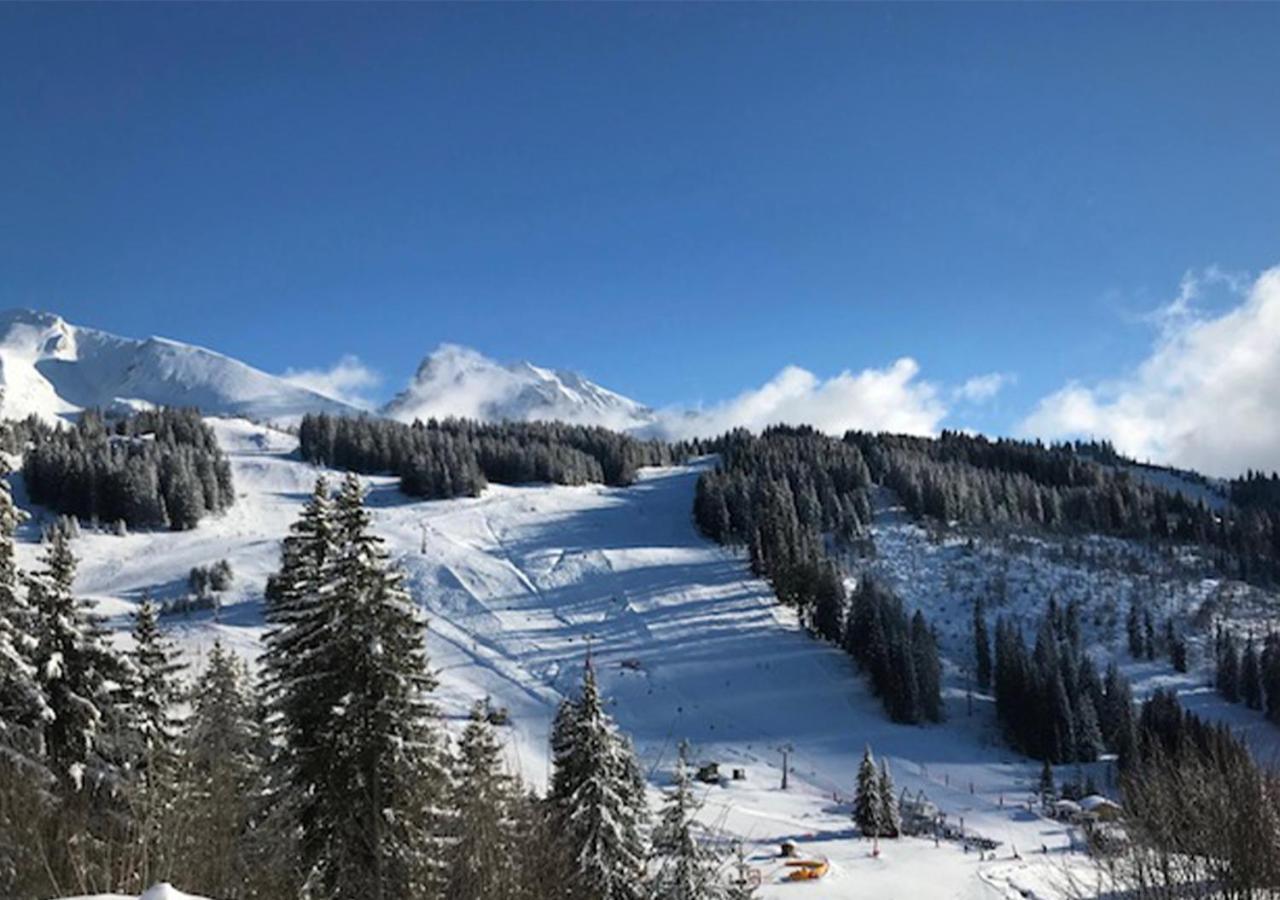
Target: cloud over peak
348 380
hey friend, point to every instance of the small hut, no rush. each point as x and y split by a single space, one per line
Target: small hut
919 814
1100 808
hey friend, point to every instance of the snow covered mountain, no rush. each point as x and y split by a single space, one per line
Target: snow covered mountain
457 381
52 368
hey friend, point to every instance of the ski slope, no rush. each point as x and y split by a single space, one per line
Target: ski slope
519 583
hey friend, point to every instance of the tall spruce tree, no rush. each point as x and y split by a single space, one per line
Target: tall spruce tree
599 794
383 743
1228 670
346 667
221 777
300 676
928 669
1271 676
890 821
1137 637
156 687
82 675
23 710
483 803
24 777
151 744
687 868
868 805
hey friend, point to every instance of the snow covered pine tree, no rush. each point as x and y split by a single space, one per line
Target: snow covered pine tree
687 868
346 666
598 791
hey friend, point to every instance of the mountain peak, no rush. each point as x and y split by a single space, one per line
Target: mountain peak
458 381
52 369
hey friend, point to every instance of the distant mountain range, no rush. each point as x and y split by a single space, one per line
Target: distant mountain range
53 369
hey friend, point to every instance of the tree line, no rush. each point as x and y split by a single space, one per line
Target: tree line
794 498
458 457
154 469
328 776
1071 488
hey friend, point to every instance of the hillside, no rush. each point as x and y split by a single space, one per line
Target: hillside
520 581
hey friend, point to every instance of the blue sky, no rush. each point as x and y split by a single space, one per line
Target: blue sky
677 200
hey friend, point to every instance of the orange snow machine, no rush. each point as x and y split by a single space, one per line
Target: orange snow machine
807 869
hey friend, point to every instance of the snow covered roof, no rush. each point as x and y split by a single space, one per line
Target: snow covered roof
1095 802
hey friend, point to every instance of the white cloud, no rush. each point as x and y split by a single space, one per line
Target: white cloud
1208 395
890 399
981 388
348 380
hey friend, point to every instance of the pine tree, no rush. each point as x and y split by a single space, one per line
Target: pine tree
221 777
928 669
150 743
1137 637
385 756
300 679
81 674
828 602
24 777
482 803
1089 743
156 687
1148 634
565 772
889 820
1178 652
23 710
981 645
1271 676
688 869
1228 672
346 668
868 805
600 799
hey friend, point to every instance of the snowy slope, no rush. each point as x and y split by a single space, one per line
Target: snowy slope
457 381
52 368
517 583
1018 574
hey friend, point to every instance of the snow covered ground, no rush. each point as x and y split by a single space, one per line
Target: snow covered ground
158 892
520 582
